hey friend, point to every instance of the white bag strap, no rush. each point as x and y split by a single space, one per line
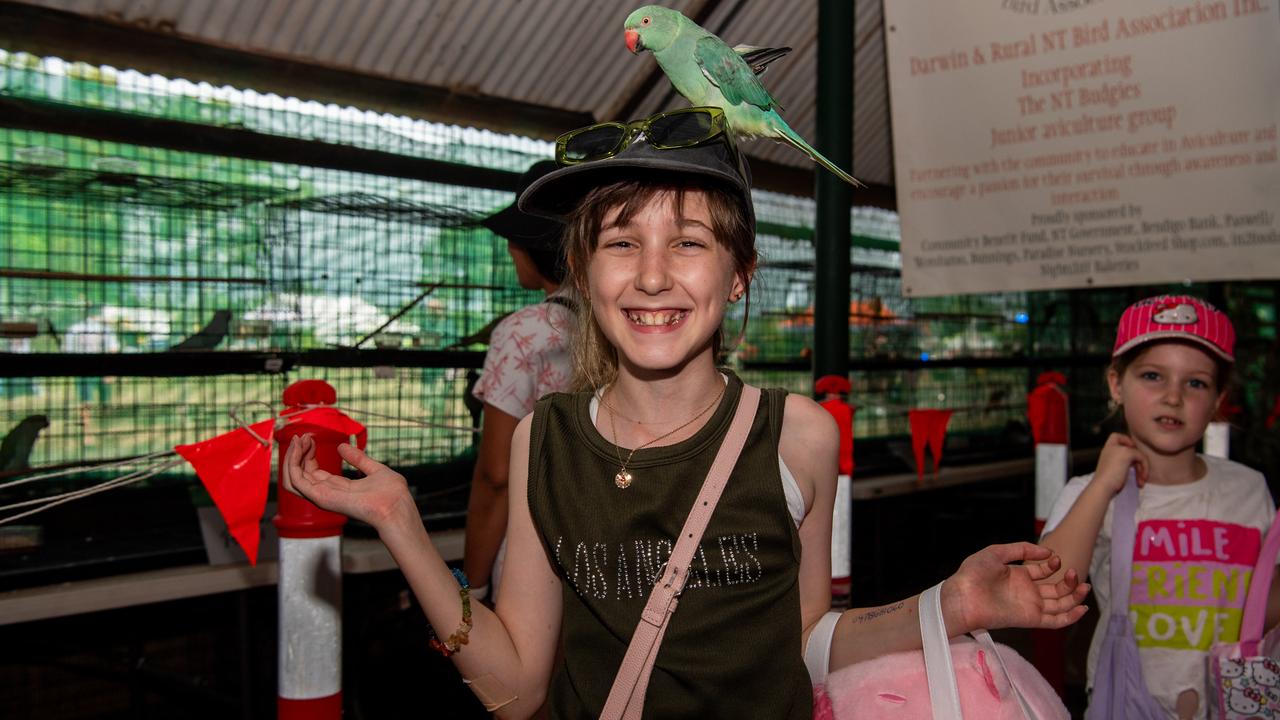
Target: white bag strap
940 672
817 651
626 697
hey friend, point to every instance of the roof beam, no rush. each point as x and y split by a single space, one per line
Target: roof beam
44 31
227 362
236 142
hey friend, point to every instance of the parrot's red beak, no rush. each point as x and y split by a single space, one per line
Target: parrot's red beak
633 41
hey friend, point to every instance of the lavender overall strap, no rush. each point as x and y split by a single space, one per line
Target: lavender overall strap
1255 604
1124 529
1119 690
626 698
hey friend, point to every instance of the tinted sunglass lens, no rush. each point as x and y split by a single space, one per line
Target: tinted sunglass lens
680 129
593 143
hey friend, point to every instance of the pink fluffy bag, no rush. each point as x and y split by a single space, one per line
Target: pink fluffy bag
992 682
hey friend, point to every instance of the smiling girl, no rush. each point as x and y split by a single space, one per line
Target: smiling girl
1199 518
660 240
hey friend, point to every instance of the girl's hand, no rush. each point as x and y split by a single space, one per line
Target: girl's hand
1118 455
381 498
988 593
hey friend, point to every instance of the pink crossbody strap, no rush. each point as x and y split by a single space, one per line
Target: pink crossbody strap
1255 604
626 698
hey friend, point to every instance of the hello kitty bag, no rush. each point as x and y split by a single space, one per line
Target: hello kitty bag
1244 677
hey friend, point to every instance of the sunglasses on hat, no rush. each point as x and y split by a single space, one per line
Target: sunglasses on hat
672 130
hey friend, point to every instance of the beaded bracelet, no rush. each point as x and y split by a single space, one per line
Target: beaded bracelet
460 636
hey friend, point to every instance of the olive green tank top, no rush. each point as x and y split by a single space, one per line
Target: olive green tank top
732 648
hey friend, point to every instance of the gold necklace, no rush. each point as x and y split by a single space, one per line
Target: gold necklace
623 478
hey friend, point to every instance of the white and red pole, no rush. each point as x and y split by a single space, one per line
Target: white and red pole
1217 439
1050 427
833 391
310 590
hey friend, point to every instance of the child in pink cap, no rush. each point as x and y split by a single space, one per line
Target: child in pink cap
1200 520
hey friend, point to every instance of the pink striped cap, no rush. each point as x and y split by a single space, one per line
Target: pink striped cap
1176 317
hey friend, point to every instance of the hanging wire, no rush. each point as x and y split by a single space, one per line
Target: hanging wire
409 421
83 468
157 466
233 412
303 409
55 500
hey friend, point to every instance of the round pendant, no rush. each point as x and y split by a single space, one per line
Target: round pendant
622 479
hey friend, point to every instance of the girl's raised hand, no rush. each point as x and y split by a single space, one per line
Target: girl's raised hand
1118 455
987 593
380 498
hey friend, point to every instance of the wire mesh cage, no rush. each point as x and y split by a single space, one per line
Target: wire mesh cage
141 96
182 284
353 268
137 263
153 270
115 260
895 343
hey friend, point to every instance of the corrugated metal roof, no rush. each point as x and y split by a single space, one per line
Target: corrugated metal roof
565 54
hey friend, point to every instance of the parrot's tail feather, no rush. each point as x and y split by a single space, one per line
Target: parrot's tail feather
790 137
760 57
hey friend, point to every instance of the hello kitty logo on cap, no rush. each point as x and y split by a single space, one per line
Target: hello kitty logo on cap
1176 317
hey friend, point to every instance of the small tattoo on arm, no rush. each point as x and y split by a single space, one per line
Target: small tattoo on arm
880 611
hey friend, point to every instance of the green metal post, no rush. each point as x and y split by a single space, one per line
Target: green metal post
835 140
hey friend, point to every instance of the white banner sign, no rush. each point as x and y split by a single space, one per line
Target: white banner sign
1074 143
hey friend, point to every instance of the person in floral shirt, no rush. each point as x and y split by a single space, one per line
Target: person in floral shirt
528 357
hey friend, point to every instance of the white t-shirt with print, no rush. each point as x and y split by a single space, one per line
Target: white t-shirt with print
1194 553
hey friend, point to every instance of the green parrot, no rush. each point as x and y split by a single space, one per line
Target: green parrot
706 71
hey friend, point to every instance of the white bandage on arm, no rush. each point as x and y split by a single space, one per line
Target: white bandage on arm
817 651
491 692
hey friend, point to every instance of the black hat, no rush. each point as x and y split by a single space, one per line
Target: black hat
557 194
530 232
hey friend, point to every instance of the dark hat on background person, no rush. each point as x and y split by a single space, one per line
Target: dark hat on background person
531 232
557 194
